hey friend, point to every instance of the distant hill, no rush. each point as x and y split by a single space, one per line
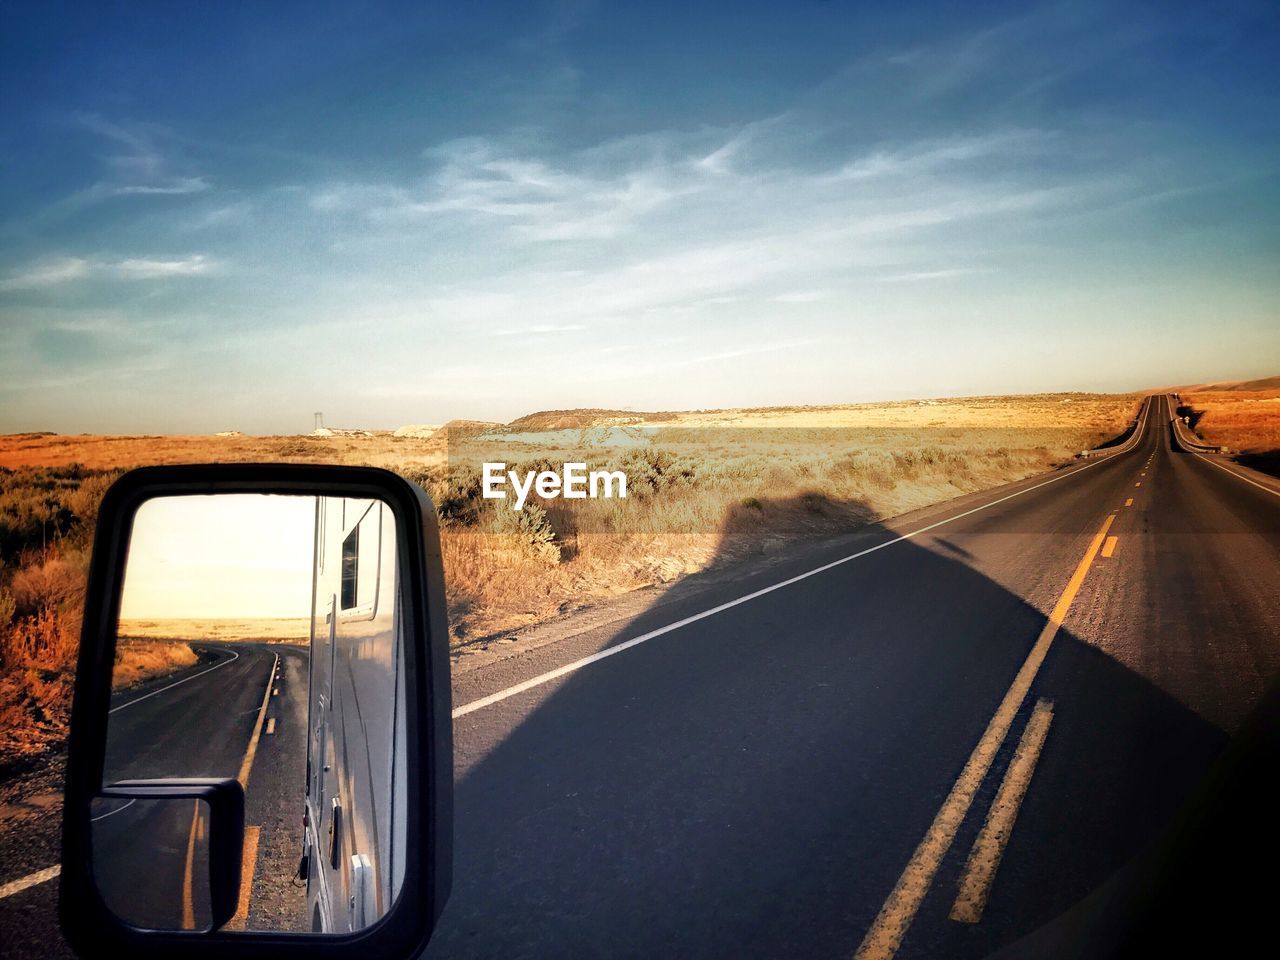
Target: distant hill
1234 386
589 417
464 428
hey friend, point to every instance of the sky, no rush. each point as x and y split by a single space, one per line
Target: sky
227 217
231 556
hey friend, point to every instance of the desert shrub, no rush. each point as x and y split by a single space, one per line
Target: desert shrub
33 713
32 508
870 468
304 447
458 496
83 502
56 582
814 502
650 470
138 660
425 477
456 492
531 530
40 506
44 641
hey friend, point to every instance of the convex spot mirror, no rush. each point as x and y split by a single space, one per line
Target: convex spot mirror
261 752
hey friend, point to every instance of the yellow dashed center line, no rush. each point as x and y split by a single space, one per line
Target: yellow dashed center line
1129 502
249 855
1109 547
890 926
247 765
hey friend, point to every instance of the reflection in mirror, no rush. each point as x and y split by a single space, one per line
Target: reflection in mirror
120 860
258 642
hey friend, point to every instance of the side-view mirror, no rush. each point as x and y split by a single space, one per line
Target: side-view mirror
260 760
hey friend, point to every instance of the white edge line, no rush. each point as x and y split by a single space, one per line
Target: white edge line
1238 476
568 668
176 683
112 813
1137 432
30 880
1187 445
48 873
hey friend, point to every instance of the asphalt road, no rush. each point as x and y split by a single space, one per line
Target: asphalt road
979 711
151 857
806 773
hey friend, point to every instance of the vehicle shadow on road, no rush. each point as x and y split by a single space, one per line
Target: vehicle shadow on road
753 784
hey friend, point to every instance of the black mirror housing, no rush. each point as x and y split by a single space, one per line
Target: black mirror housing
91 928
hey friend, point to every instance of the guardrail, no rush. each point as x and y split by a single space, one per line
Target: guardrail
1135 431
1183 437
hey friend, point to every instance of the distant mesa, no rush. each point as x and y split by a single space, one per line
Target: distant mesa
464 428
418 431
339 432
228 433
588 417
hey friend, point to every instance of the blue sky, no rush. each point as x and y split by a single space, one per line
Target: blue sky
231 216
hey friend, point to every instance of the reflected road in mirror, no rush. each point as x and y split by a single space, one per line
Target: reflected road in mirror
258 641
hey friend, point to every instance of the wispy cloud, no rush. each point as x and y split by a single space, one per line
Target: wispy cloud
147 269
231 214
801 296
46 274
72 269
174 187
533 198
925 275
540 330
738 353
928 156
134 151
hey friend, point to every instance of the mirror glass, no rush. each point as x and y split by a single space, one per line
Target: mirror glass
258 641
125 868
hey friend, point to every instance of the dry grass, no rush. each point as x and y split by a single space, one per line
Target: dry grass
37 657
275 630
377 449
714 486
139 660
1246 422
705 487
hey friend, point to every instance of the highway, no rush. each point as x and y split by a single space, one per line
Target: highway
202 723
1042 672
925 739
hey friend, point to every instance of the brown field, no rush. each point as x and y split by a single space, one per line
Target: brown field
276 630
704 486
1246 422
139 660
